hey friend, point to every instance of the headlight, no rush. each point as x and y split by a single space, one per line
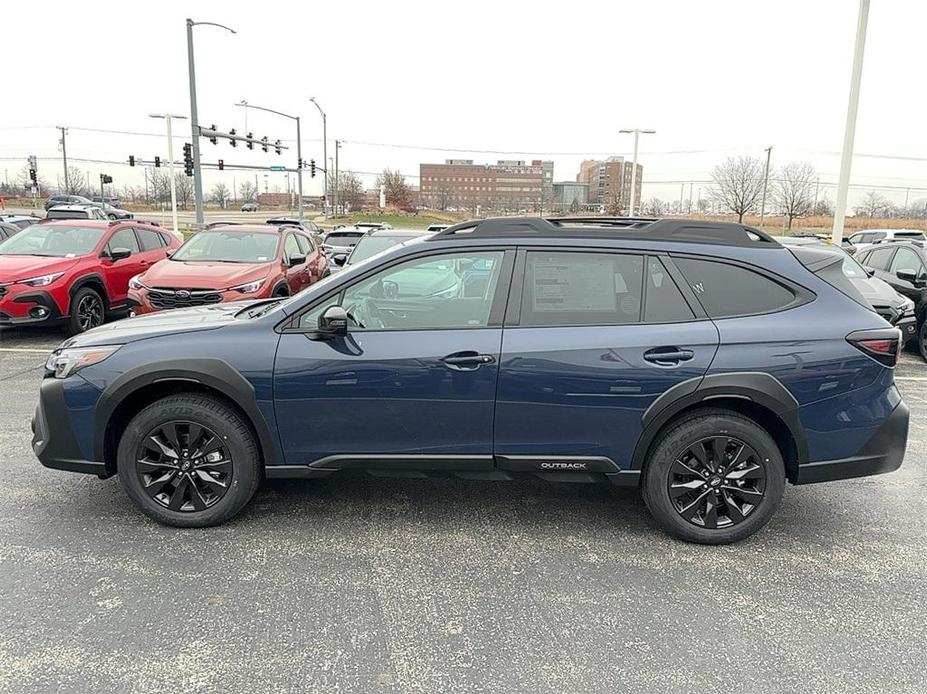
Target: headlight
42 281
248 288
136 283
64 362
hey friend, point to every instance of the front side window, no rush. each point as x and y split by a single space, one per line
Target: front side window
290 247
906 259
57 241
124 238
879 258
454 290
726 290
229 247
567 288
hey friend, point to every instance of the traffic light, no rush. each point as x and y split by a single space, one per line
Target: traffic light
131 160
232 140
33 177
213 138
222 165
188 158
157 162
277 147
106 178
250 141
312 168
264 143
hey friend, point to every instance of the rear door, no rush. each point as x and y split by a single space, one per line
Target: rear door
591 339
153 246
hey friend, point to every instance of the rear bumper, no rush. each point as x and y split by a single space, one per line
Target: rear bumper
882 453
53 440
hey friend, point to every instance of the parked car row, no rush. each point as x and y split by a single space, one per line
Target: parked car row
79 207
704 363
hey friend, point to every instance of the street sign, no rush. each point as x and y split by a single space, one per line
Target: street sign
278 168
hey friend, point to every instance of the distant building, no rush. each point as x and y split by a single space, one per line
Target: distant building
569 195
609 183
507 186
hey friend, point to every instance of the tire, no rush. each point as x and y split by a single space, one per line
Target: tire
734 519
87 310
112 217
179 502
281 291
922 340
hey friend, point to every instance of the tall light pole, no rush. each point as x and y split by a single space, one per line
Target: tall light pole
170 164
765 185
849 135
637 133
299 148
324 151
338 144
194 123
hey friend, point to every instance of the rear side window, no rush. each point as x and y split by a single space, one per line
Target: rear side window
150 240
880 258
730 290
664 302
582 289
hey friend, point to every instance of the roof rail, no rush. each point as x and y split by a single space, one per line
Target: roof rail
677 230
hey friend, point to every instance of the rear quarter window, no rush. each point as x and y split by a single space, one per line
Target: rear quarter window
726 290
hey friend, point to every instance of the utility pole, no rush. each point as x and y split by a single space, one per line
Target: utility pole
64 156
765 184
337 185
689 208
637 133
327 185
849 135
817 185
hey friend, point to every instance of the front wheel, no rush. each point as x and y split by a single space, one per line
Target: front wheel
922 340
716 477
87 311
189 461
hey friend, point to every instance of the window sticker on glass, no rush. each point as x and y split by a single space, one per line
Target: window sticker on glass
585 283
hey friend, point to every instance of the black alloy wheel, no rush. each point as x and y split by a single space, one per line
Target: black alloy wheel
717 482
184 466
89 311
922 340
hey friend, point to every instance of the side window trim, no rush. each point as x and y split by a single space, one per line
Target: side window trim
681 284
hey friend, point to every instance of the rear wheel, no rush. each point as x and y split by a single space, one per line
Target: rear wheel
716 477
922 340
189 461
87 311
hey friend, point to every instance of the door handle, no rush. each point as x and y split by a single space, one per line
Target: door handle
668 356
467 361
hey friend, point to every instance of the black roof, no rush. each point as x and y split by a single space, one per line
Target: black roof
677 230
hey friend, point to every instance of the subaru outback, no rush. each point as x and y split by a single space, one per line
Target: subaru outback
701 362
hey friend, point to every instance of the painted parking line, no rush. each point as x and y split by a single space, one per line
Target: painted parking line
911 378
26 350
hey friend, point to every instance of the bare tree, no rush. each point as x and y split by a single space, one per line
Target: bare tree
184 185
654 207
220 194
350 191
873 205
248 191
398 193
793 190
702 205
738 184
823 207
78 183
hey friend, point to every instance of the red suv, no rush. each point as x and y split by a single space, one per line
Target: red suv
230 263
76 271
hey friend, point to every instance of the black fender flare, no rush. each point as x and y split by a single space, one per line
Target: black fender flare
216 374
92 279
756 387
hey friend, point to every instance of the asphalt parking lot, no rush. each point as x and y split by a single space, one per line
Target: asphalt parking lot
360 584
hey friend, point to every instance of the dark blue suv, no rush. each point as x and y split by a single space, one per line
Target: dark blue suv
702 362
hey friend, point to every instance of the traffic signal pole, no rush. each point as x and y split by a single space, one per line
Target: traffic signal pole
195 131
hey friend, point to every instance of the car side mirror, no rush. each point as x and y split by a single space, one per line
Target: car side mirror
339 258
296 259
906 275
333 322
119 254
870 272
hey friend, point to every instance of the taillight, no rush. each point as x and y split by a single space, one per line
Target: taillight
883 345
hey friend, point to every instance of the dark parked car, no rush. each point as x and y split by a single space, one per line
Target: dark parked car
903 265
249 207
700 361
20 221
7 230
55 200
892 306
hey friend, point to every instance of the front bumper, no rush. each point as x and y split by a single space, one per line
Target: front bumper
53 440
28 307
908 327
142 301
882 453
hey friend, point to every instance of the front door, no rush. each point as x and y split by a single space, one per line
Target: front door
413 383
117 273
595 338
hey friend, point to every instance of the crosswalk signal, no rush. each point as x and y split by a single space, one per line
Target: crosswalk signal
312 168
250 141
157 162
277 147
188 158
222 165
131 160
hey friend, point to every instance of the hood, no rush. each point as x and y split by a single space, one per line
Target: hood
181 320
23 267
190 275
878 292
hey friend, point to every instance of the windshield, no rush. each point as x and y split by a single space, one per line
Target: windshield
229 247
57 241
371 245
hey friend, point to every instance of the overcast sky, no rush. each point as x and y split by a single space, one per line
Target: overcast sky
530 79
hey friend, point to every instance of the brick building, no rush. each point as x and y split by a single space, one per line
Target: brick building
507 186
609 183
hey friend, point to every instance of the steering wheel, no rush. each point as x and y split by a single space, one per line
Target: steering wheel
366 314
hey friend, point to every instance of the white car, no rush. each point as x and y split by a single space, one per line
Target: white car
867 237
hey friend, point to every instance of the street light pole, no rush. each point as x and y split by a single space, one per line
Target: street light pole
337 147
637 132
194 123
765 184
849 135
326 187
170 164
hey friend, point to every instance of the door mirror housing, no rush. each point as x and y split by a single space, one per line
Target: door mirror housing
333 322
119 254
297 259
907 275
340 258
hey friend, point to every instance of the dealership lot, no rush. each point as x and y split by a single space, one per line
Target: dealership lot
361 584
